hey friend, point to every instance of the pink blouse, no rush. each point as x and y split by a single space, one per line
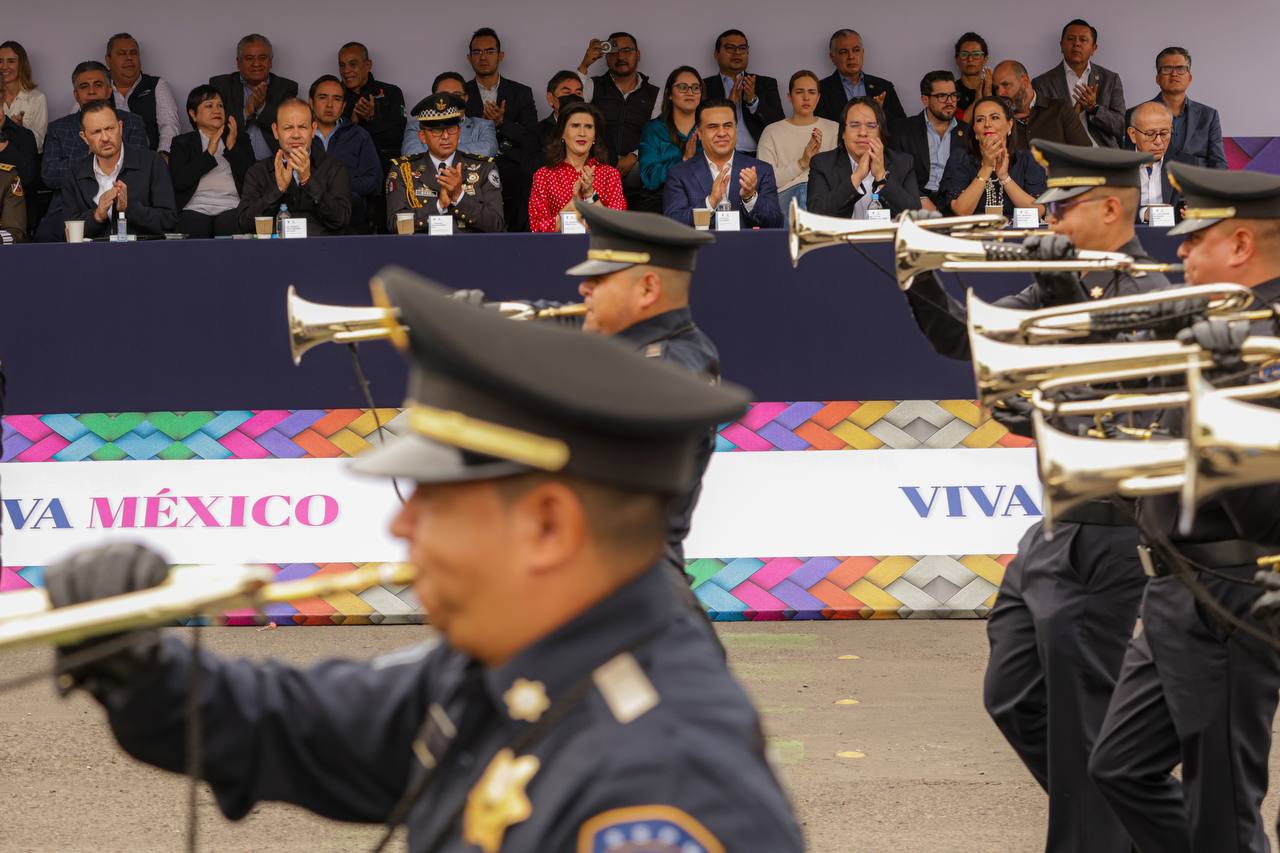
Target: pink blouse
553 187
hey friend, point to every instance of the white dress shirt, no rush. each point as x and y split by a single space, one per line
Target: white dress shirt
166 110
748 206
216 192
868 183
1152 184
745 143
1072 82
35 113
106 181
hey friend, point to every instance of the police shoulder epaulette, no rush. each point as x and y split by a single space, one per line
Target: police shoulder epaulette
6 167
625 687
481 157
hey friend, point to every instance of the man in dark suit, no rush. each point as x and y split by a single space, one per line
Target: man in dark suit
116 180
509 105
1037 117
1096 94
376 106
848 80
754 95
1197 132
1150 126
703 182
563 84
253 94
930 135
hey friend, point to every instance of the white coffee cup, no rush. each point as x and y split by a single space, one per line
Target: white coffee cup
75 230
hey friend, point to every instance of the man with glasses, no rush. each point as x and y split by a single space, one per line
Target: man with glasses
627 100
1197 134
848 81
1095 92
444 181
509 105
1037 117
1150 127
928 136
1066 607
754 95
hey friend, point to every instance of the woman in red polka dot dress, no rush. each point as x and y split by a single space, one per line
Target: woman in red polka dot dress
577 171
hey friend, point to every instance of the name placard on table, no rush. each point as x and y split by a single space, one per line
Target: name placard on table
1026 217
728 220
440 225
571 224
295 228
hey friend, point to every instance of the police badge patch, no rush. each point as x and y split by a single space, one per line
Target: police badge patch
653 829
494 180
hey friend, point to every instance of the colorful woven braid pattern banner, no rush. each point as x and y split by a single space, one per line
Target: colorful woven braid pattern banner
734 587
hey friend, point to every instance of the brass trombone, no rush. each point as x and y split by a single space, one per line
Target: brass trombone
918 250
312 324
1063 322
811 231
26 618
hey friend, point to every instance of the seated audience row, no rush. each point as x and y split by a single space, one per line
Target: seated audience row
639 133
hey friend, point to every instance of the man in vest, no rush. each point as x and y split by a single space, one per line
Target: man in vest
144 95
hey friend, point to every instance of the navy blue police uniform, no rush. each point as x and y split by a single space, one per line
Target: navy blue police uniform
1194 690
620 729
1067 605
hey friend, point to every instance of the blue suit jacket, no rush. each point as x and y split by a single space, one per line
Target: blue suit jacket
689 184
1203 143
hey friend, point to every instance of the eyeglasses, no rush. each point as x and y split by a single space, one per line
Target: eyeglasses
970 54
735 48
1174 70
685 88
945 96
857 125
1058 209
483 51
443 131
1153 135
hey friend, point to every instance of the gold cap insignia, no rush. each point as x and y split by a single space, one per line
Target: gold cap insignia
1040 158
498 800
1209 213
526 700
441 104
1095 292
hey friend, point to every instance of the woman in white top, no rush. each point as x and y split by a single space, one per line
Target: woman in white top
23 102
788 145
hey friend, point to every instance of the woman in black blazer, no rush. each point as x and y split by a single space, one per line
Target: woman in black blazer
837 188
988 172
208 166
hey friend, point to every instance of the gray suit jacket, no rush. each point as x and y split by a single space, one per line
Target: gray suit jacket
1203 143
1107 124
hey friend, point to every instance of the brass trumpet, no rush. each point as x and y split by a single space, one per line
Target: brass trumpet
26 618
918 250
1076 470
1063 322
811 231
312 324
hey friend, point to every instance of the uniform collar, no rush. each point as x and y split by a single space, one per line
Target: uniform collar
1266 293
657 327
560 660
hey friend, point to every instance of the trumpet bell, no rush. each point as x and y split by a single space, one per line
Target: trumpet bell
809 231
1076 470
312 324
1231 445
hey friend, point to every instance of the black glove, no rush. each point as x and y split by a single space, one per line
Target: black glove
1222 338
1056 288
1163 320
1014 414
1267 607
98 573
471 297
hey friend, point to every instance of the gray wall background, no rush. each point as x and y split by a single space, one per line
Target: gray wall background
411 42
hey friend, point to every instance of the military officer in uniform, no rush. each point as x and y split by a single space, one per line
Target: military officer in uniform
566 703
1195 690
13 207
444 180
1066 607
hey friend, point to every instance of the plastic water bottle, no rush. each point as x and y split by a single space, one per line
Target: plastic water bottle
874 204
724 204
280 218
122 228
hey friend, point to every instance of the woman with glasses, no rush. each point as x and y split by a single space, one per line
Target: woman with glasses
576 170
975 75
843 181
673 136
987 175
790 145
